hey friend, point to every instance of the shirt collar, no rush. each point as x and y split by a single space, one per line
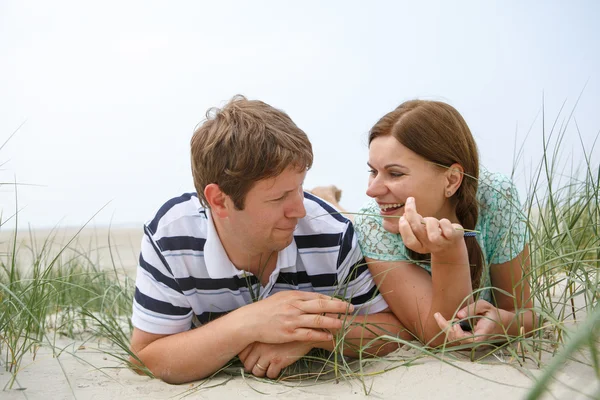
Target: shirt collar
218 264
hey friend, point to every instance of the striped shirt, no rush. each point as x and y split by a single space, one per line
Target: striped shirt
185 279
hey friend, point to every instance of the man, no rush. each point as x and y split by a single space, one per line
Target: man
249 261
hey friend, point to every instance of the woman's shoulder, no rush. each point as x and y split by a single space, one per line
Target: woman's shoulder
375 242
367 212
501 217
495 189
494 180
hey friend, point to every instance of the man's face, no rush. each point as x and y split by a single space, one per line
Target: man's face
272 210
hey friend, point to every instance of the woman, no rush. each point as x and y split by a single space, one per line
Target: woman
428 193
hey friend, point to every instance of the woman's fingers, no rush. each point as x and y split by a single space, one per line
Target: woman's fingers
478 308
412 216
434 232
414 234
410 208
441 321
408 236
447 228
453 331
425 234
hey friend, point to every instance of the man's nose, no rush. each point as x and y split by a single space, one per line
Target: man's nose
296 208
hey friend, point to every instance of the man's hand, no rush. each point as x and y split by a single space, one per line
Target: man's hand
295 316
269 359
487 320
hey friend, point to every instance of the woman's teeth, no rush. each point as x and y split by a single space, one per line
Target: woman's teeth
385 207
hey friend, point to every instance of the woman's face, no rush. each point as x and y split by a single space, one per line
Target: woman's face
397 173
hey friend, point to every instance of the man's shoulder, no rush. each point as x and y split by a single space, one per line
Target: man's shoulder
179 216
325 238
321 218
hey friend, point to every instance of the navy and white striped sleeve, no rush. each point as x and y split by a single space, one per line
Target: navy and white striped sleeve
159 305
355 281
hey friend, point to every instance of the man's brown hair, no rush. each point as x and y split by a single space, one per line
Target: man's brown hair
242 143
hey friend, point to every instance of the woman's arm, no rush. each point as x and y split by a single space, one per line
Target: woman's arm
512 315
414 296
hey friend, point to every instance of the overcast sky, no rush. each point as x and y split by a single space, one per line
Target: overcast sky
110 92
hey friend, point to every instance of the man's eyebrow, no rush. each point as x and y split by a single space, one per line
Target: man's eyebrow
279 194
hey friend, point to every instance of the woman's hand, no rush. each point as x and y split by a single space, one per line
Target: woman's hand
487 321
427 234
264 359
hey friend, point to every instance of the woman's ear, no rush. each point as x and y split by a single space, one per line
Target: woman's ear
454 177
217 200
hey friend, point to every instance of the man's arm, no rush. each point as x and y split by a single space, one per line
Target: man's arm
284 317
190 355
263 359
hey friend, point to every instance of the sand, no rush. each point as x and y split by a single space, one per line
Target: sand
120 249
84 371
93 375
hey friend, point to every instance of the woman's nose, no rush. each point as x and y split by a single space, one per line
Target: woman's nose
376 187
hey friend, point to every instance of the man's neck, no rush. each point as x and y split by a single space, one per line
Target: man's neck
260 264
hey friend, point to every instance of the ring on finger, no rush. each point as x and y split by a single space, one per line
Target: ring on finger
257 365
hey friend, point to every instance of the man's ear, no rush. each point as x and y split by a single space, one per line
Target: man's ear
454 177
217 200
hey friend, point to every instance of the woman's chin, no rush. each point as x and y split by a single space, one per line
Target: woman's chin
391 225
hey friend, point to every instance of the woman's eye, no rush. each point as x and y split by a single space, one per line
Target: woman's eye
396 174
372 172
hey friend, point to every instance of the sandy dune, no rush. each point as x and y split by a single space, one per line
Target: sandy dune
93 242
93 375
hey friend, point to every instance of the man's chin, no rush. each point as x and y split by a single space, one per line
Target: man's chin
282 243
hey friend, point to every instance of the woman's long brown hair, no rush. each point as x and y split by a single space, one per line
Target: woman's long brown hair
438 133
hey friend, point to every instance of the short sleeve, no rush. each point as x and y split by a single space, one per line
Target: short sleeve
159 305
356 281
501 212
375 242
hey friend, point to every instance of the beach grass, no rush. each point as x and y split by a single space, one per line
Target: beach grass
72 297
58 296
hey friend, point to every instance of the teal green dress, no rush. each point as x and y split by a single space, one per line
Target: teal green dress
501 223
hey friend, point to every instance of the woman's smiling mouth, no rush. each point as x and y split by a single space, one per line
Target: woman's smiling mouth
390 208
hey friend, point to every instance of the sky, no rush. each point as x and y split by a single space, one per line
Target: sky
107 94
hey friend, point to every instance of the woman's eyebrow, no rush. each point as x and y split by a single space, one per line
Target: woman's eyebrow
389 166
395 165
